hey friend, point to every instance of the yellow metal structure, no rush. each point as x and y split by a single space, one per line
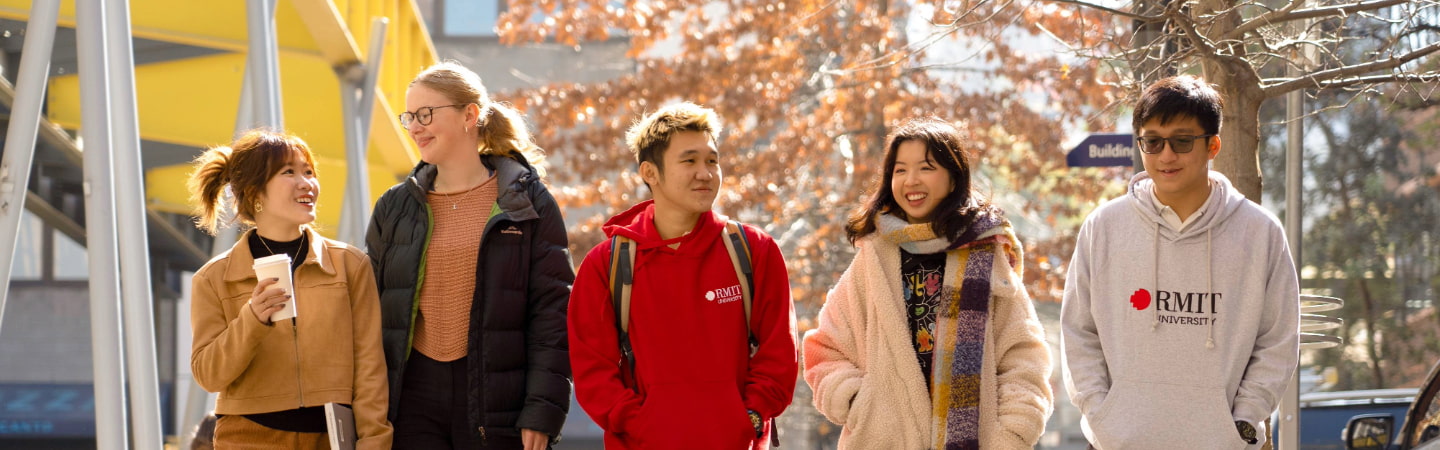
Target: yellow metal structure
194 101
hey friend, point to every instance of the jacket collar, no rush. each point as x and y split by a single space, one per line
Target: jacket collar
242 262
512 177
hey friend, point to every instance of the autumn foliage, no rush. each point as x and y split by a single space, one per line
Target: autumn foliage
807 90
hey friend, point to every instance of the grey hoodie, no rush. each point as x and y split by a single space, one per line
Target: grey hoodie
1170 337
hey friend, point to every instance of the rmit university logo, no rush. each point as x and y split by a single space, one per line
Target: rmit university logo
724 295
1188 308
1140 299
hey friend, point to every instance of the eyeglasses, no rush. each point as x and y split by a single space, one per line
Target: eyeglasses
1153 145
423 114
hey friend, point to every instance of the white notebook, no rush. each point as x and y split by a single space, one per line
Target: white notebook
340 425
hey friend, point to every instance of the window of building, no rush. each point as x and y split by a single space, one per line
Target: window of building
461 18
71 261
29 249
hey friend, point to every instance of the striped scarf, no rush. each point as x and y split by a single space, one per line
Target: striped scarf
960 320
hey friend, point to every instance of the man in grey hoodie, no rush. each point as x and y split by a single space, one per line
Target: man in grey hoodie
1180 322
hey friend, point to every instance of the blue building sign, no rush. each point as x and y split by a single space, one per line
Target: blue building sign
39 410
1103 150
58 410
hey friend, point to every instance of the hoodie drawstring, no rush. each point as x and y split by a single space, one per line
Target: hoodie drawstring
1209 283
1155 311
1210 286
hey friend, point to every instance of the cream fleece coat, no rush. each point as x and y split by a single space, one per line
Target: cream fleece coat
862 365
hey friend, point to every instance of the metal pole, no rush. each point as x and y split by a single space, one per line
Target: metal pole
350 225
105 336
263 63
137 303
356 208
1289 426
20 133
245 116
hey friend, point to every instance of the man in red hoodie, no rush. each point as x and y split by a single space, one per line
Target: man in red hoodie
695 384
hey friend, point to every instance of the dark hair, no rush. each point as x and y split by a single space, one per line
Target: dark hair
246 165
944 147
204 434
1177 97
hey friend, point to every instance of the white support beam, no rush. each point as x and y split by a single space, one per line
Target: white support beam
105 332
20 134
137 303
357 115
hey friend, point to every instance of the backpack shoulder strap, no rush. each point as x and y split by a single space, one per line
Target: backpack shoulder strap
740 257
622 271
622 265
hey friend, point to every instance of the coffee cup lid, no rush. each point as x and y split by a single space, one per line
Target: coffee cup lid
273 259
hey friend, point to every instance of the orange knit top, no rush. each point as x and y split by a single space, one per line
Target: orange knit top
450 264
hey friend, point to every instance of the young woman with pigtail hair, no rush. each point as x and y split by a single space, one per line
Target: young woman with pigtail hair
274 377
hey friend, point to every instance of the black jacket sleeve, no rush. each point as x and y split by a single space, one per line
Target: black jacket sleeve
547 378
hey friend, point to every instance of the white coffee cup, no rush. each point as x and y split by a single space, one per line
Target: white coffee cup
278 266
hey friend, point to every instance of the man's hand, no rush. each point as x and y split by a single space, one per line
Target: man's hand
534 440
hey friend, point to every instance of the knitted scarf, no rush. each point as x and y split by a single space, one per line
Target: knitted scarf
960 320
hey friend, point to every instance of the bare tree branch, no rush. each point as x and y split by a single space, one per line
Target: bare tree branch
1349 74
1285 15
1114 11
1428 77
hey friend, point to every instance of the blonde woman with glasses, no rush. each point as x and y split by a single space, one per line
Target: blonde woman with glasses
474 276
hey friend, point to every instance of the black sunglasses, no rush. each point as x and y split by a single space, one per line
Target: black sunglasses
1179 144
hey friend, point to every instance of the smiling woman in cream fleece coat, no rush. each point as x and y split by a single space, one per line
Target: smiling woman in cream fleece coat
987 387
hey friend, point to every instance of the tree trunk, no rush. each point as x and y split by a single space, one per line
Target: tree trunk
1239 158
1372 341
1240 88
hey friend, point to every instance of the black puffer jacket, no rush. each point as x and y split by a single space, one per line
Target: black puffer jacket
519 366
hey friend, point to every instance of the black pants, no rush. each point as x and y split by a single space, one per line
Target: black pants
432 406
434 410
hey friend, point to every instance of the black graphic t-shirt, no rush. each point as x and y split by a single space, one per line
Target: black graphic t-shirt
921 276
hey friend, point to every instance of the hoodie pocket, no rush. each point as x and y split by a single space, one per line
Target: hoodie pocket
1154 415
706 414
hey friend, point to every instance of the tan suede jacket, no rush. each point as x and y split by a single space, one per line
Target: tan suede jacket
330 354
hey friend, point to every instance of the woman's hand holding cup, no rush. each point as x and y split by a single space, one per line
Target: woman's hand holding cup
265 301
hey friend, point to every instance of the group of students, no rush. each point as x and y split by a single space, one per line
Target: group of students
459 323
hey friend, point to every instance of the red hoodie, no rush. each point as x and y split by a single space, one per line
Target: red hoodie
689 339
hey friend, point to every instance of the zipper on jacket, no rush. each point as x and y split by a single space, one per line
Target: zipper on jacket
295 331
419 281
490 224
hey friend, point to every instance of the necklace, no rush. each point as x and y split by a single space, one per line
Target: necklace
267 246
262 242
456 204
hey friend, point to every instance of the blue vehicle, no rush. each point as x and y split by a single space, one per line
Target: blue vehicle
1323 415
1420 429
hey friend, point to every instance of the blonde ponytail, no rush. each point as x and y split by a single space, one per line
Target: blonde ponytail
502 132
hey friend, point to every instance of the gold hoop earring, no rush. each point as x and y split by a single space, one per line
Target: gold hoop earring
259 207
